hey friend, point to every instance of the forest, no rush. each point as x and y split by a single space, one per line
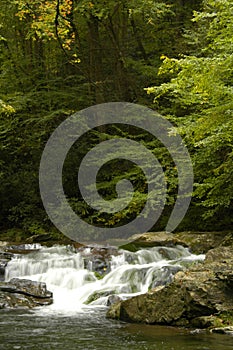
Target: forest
61 56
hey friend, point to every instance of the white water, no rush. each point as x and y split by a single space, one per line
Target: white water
62 269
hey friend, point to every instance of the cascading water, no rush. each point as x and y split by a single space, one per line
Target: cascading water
74 284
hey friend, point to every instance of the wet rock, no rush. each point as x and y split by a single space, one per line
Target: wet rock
191 300
97 258
22 248
18 293
97 295
27 287
113 299
223 330
4 259
167 276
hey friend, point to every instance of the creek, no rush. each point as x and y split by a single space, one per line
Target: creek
76 319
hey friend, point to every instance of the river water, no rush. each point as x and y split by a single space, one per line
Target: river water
69 323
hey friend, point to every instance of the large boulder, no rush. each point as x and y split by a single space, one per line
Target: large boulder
18 293
201 296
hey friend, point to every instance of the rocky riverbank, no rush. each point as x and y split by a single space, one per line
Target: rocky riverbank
200 297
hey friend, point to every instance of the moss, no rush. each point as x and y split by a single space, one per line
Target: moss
98 275
96 295
219 320
202 322
131 247
227 318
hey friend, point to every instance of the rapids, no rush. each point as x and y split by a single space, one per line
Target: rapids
74 284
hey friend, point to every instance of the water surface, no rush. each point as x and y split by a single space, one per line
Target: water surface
92 331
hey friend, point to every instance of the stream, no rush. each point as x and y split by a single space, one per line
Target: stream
76 319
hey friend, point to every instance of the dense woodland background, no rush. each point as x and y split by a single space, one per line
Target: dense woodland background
60 56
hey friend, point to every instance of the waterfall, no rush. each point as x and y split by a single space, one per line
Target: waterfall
74 284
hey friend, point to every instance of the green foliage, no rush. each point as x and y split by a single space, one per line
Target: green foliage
58 57
200 91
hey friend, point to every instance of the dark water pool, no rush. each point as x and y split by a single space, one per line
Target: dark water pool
92 331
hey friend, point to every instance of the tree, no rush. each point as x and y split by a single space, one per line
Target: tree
199 95
60 56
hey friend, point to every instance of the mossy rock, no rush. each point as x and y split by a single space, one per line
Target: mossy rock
207 322
96 295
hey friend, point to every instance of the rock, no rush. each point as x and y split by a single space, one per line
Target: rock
153 239
113 299
97 258
27 287
222 255
223 330
4 259
172 305
40 238
18 293
201 242
198 242
22 248
196 298
52 238
99 294
203 322
114 311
